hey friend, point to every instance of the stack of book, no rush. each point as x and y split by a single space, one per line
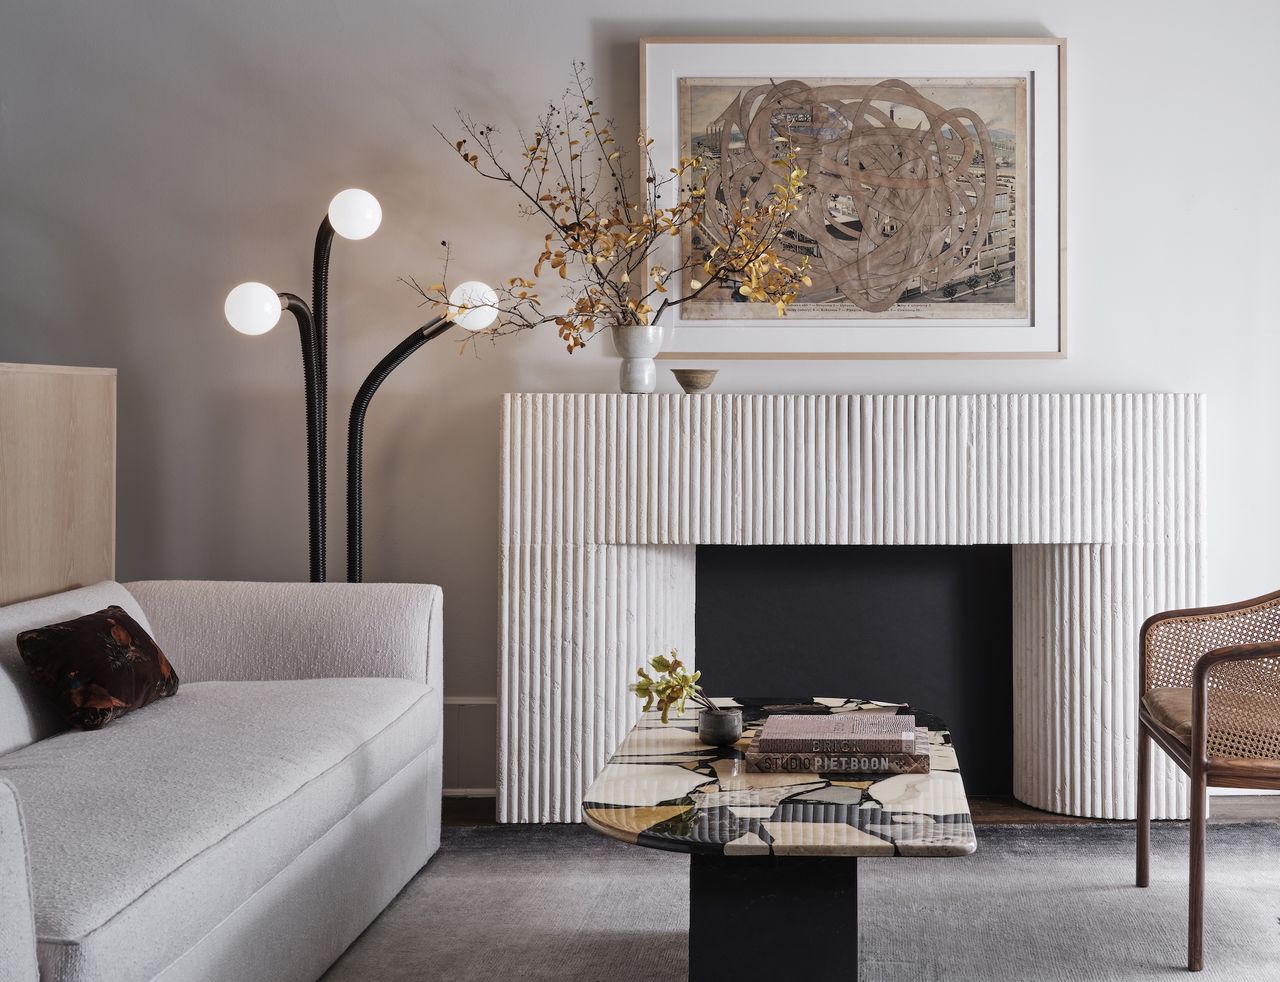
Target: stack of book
842 743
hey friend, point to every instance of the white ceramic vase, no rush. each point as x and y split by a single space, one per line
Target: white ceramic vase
637 344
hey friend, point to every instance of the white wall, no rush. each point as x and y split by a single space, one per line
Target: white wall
154 154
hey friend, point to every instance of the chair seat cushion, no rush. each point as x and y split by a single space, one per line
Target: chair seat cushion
1241 724
145 835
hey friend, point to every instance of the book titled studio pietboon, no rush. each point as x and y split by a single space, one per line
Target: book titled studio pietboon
875 743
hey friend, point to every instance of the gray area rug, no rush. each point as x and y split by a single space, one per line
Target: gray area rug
1036 903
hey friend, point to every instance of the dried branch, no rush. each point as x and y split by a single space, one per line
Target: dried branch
604 245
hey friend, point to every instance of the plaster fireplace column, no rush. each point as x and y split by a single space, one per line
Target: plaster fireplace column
606 497
1077 611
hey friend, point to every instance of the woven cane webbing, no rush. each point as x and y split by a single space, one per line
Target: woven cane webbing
1244 696
1239 723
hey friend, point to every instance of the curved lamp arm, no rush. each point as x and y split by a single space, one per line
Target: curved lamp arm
355 438
255 308
353 214
315 434
320 312
473 306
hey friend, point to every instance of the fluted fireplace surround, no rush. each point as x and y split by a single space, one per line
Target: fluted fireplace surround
605 498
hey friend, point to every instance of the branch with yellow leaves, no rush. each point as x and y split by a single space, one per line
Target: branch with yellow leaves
605 243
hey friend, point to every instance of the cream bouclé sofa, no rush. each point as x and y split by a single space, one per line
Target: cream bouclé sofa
251 826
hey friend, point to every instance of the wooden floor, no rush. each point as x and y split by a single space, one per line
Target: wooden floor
986 811
470 811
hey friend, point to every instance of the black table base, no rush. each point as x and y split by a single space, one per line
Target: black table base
761 917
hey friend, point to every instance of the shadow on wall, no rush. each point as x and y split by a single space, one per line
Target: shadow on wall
615 47
431 479
252 433
430 476
71 310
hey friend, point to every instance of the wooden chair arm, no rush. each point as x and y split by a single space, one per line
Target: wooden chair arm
1200 686
1234 652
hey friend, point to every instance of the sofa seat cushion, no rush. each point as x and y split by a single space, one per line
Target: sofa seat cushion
145 835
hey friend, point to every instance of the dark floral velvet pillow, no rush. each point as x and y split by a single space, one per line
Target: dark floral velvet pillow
101 666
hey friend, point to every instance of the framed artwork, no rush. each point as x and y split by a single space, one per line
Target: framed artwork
935 221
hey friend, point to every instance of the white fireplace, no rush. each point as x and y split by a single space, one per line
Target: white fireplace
605 498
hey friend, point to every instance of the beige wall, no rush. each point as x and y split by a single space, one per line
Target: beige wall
154 154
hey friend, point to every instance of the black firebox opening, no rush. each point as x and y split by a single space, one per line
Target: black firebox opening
926 625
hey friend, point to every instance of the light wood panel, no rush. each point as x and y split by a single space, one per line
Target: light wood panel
57 478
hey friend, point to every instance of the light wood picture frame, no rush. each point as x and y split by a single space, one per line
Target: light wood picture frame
936 223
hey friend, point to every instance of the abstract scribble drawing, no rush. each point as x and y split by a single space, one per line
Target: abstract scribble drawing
905 195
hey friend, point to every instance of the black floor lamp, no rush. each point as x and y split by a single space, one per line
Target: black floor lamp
254 308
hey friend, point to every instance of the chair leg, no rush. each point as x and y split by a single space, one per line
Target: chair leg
1144 806
1195 912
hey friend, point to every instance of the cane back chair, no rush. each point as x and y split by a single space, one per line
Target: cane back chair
1209 684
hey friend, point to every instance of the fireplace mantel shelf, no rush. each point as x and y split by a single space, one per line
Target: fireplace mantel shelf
605 498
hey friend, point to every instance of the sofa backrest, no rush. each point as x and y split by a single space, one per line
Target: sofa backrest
27 712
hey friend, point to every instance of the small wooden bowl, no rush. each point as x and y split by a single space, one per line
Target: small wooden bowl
694 380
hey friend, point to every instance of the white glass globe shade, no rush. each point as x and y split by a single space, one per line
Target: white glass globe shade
355 214
252 308
473 305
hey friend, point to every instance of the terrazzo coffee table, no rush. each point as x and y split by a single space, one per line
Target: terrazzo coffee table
773 876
